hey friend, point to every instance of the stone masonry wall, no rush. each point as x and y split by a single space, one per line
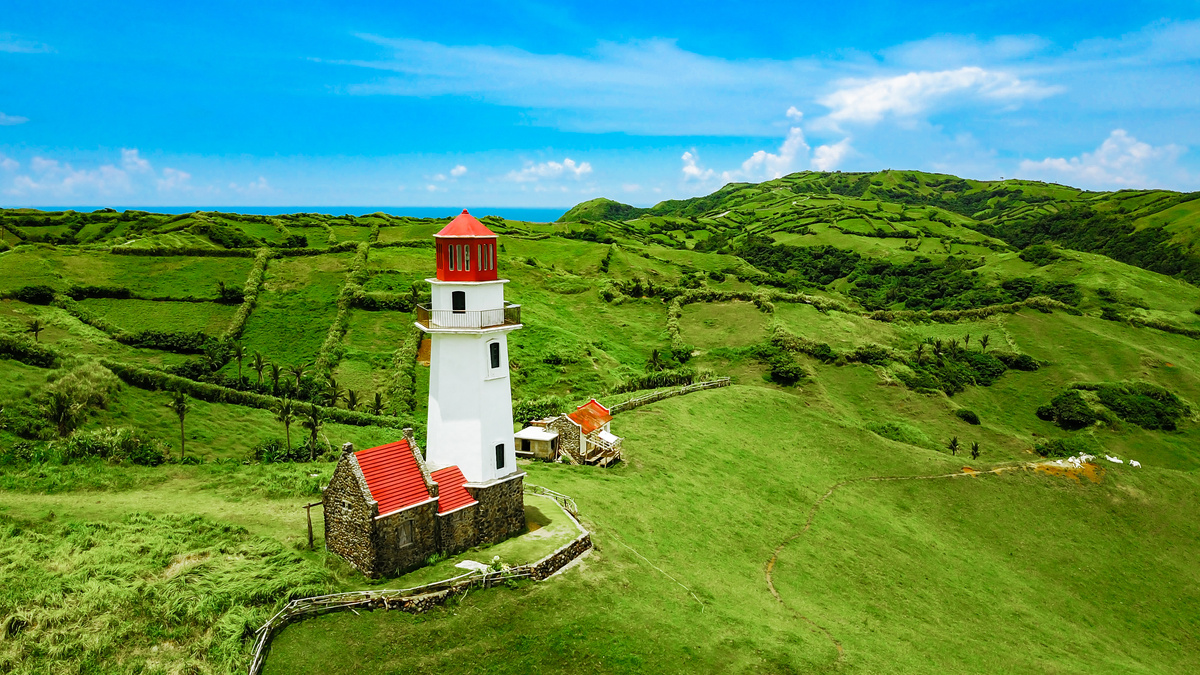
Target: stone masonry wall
393 556
568 435
500 512
457 531
348 517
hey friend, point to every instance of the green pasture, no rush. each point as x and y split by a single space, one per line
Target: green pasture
139 315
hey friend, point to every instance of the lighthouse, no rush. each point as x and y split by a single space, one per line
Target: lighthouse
470 423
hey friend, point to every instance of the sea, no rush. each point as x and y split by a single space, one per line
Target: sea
527 214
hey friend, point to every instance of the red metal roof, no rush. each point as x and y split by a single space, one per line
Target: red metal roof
465 225
393 476
591 416
451 493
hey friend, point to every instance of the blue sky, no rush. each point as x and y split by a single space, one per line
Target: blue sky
548 104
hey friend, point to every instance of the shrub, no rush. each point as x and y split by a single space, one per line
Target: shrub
901 433
967 416
1143 404
84 292
1040 255
178 342
527 410
1016 361
1069 411
1061 447
27 351
115 445
34 295
785 370
24 419
275 450
664 378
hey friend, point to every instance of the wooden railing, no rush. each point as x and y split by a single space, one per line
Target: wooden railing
667 393
508 315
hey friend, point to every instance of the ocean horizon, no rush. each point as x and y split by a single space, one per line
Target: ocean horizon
528 214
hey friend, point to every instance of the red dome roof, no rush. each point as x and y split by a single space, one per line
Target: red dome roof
465 225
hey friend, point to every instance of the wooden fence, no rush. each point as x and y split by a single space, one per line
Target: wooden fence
422 598
667 393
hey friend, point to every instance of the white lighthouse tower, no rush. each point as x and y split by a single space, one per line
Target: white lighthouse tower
470 420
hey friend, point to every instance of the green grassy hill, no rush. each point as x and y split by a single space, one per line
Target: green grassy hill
870 323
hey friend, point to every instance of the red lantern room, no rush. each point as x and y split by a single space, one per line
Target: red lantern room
466 250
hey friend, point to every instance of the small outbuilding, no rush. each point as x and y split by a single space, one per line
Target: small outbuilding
583 436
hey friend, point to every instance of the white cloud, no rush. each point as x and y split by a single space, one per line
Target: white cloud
49 177
14 45
907 95
433 188
440 176
458 171
132 161
763 165
631 187
1120 161
174 180
8 163
11 120
692 171
255 187
568 168
829 157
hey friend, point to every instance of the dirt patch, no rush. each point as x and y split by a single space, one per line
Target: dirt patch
969 471
533 525
1090 471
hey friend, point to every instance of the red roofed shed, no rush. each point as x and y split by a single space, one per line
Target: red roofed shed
591 416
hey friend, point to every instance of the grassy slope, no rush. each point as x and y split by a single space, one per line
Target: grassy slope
908 577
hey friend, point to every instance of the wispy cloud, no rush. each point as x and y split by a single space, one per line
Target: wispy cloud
568 168
53 179
915 93
1120 161
11 120
458 171
14 44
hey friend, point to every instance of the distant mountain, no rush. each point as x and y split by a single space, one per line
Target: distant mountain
1158 230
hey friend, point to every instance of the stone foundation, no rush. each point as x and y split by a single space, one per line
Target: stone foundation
501 510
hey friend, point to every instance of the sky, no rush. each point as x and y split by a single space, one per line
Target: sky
541 104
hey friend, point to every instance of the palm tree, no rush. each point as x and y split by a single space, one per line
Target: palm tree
286 413
259 364
312 421
179 406
377 404
954 446
975 450
983 343
967 340
333 393
298 371
920 351
938 345
351 399
656 361
275 371
36 327
239 353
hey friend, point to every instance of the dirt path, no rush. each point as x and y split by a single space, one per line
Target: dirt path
812 513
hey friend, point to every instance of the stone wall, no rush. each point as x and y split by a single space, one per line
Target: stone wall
393 556
568 435
349 515
559 559
457 531
501 510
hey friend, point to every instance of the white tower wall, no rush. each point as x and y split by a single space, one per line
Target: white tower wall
470 403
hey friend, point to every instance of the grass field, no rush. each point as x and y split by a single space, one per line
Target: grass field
112 567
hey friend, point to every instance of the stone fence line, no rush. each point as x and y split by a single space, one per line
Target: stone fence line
667 393
420 599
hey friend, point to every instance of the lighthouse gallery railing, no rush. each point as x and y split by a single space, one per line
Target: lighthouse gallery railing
508 315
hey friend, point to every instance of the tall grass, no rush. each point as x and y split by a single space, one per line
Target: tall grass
148 593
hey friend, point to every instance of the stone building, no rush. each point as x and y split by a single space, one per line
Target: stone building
583 436
387 509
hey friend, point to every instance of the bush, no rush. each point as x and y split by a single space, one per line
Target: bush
967 416
115 445
664 378
24 419
169 341
27 351
1061 447
1040 255
527 410
1143 404
785 370
276 451
34 295
901 433
1017 361
1069 411
84 292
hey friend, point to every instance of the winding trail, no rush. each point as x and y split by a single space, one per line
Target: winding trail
812 513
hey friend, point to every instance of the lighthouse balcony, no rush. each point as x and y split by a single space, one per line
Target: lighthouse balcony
430 319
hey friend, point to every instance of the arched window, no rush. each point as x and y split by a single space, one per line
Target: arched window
458 301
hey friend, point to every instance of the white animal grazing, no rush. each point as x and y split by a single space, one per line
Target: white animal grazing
1114 460
1134 462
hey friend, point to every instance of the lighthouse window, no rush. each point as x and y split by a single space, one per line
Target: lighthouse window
500 456
458 301
467 258
494 354
492 254
482 260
